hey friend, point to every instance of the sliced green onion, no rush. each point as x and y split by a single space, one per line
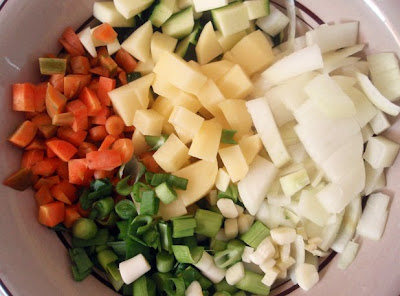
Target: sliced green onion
149 204
190 241
139 226
123 187
152 238
175 287
81 259
125 209
217 245
159 179
98 249
240 293
101 188
165 230
101 238
165 193
84 200
165 261
104 207
134 248
227 136
208 223
119 247
84 228
144 286
50 66
106 257
80 276
114 276
177 182
160 279
133 76
222 293
141 170
190 275
223 286
231 255
111 220
205 283
184 254
231 192
255 235
127 290
138 188
183 226
179 268
123 227
156 142
148 176
252 283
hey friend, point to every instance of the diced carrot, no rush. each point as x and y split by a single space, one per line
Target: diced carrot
129 129
46 167
29 158
55 101
50 153
50 181
57 80
82 212
85 148
43 123
81 115
105 33
71 42
50 55
65 192
125 61
125 149
108 141
114 125
41 119
36 144
149 162
94 84
71 215
93 61
74 83
67 134
20 180
62 149
98 133
78 171
99 174
51 214
106 61
101 71
40 96
30 115
24 134
105 85
122 78
104 160
63 119
80 65
115 180
62 170
90 99
43 196
24 97
101 116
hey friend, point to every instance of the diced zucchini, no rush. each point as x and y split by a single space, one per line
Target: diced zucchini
231 19
162 12
180 24
160 43
129 8
106 12
186 47
204 5
274 23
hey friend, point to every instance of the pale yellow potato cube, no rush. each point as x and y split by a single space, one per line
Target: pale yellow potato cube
227 42
236 114
179 73
205 113
186 100
235 84
186 121
207 47
250 147
195 65
163 87
210 96
139 143
174 209
148 122
223 180
163 106
160 43
145 68
172 155
234 161
142 89
216 70
206 142
201 176
220 118
183 135
253 53
228 56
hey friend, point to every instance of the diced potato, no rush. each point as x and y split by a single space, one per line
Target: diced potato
148 122
210 96
205 113
142 89
146 67
173 209
139 142
162 87
179 73
163 106
161 42
207 47
223 180
234 161
381 152
187 122
235 84
201 176
253 53
206 142
216 70
138 44
236 114
250 147
227 42
186 100
172 154
228 56
183 134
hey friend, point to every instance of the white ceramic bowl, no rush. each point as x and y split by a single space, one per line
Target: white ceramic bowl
33 260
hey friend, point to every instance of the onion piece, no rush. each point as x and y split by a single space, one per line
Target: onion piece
348 255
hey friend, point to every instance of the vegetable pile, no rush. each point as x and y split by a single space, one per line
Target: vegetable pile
188 150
